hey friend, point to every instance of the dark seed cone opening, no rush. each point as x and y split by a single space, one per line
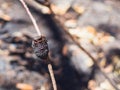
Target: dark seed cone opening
40 47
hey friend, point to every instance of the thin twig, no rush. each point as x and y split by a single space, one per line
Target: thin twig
39 33
52 76
31 17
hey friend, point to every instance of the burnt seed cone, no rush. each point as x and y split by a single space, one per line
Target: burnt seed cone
40 47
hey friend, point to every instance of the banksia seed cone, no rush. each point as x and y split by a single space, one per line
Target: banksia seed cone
40 47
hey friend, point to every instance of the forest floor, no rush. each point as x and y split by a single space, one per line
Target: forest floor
80 29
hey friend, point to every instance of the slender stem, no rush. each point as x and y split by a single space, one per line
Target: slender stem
39 33
52 76
31 17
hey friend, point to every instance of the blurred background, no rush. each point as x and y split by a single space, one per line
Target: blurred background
83 38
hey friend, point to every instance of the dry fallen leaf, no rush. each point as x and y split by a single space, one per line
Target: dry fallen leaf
72 23
24 86
79 9
5 17
60 7
58 10
91 29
